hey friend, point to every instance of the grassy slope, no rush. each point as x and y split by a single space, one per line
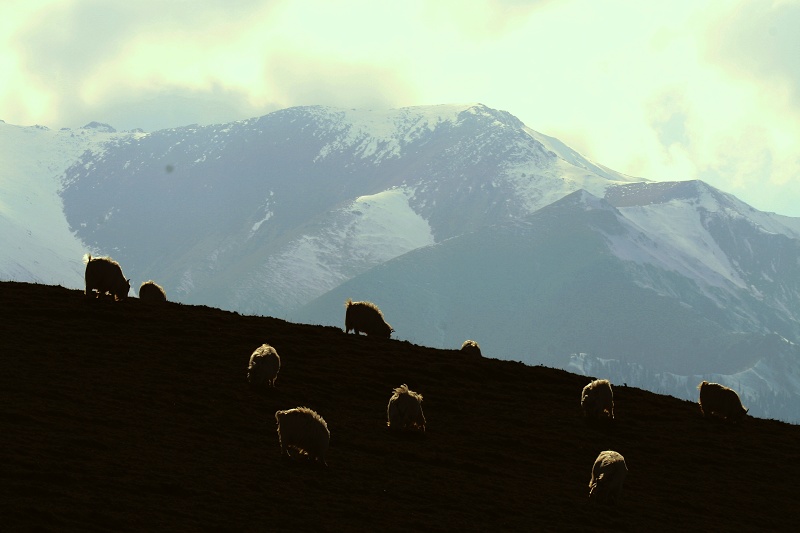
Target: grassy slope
127 416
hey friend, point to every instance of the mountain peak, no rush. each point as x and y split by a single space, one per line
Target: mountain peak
99 126
649 193
504 117
586 200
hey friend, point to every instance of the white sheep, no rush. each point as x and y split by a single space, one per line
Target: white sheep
405 410
264 366
597 399
608 474
304 431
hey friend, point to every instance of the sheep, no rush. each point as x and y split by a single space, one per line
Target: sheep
721 402
404 411
597 399
104 275
471 347
608 474
304 431
264 366
366 317
150 291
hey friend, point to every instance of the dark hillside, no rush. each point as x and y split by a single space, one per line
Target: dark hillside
127 416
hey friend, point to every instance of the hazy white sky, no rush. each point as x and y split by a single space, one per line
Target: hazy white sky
667 90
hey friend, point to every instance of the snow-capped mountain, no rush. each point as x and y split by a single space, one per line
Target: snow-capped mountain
743 261
267 214
459 221
579 274
650 305
36 243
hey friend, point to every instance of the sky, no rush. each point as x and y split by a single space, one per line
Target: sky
671 90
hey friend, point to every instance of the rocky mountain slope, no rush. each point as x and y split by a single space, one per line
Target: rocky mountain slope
459 220
36 243
266 214
581 276
123 416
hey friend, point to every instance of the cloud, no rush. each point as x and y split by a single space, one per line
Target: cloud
481 20
666 91
298 80
70 57
152 64
761 40
166 107
668 115
67 41
750 146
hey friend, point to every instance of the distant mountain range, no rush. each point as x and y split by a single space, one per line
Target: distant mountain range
458 221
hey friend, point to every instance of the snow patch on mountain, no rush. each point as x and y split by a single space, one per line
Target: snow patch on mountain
369 231
381 134
789 226
385 226
37 244
672 236
583 165
537 184
267 214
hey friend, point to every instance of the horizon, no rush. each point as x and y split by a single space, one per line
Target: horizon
678 239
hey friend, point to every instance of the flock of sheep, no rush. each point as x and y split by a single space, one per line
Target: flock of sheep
609 469
104 275
304 432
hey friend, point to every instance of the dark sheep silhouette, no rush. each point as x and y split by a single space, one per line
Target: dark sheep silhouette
404 411
720 401
365 317
608 474
150 291
597 399
104 275
265 363
304 431
471 347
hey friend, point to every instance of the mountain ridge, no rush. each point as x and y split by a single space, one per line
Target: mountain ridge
270 214
550 286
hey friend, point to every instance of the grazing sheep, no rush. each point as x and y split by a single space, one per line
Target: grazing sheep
150 291
608 474
366 317
471 347
104 275
305 431
720 401
405 410
597 399
264 366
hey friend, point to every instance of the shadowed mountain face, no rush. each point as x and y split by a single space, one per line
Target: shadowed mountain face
460 222
123 415
263 215
552 284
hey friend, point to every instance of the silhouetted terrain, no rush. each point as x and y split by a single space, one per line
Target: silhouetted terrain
129 416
